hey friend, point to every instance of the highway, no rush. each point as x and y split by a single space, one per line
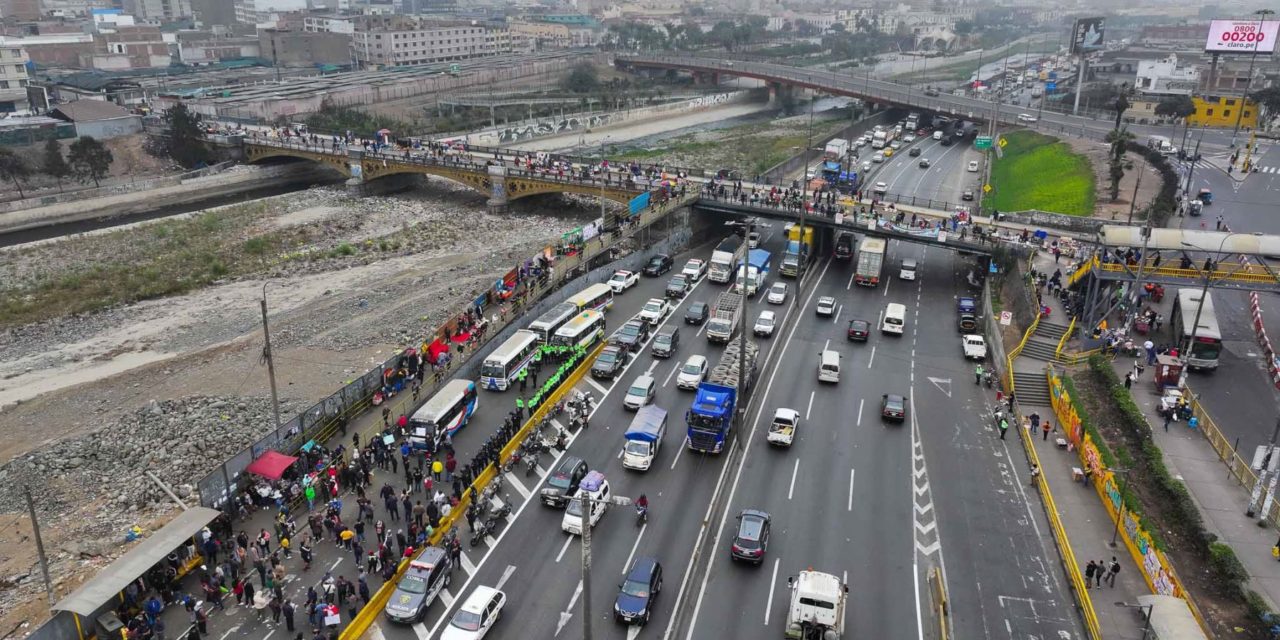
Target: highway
879 503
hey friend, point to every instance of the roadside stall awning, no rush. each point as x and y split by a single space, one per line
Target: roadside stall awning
271 465
110 581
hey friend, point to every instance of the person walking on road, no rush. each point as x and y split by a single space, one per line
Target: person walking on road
287 610
1089 570
1035 473
1099 574
1128 380
1168 417
1004 427
1046 428
977 374
1112 572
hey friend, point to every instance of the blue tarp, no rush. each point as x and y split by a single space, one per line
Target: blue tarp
639 203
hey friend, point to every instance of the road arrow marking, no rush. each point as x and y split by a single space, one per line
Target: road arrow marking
567 614
939 382
925 528
924 508
928 549
922 489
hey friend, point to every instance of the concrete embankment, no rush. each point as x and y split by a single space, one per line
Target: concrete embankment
189 194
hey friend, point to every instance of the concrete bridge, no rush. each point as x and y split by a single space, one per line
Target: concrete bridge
367 172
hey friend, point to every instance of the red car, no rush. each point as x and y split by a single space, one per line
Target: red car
859 330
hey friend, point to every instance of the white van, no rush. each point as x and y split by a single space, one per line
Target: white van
829 366
895 318
908 270
593 486
937 135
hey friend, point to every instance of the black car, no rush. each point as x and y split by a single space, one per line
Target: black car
609 363
967 195
677 287
697 312
915 151
893 407
946 141
658 265
636 594
631 335
563 482
859 330
665 343
752 539
422 582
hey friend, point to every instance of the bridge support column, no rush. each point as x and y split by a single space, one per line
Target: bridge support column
498 202
780 95
356 184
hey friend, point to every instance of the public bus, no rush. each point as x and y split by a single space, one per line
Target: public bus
584 330
555 317
501 367
1206 340
596 297
447 411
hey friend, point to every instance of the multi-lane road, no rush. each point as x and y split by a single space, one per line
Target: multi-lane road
874 502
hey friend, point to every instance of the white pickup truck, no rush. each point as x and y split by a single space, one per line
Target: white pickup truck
975 347
782 431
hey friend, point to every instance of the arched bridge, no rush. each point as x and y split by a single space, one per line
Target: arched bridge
501 182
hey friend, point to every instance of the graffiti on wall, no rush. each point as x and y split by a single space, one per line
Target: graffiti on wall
709 101
563 125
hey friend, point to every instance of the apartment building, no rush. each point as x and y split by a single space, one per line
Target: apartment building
159 11
394 41
13 80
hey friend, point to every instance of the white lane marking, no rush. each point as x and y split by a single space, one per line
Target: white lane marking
724 518
599 387
679 450
827 345
506 575
794 472
634 547
861 402
467 566
652 365
421 630
672 374
887 282
810 409
851 489
517 485
773 582
850 285
558 424
836 319
701 328
567 540
872 360
336 563
446 597
567 614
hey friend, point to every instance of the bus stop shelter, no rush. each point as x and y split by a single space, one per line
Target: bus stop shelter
103 593
1170 618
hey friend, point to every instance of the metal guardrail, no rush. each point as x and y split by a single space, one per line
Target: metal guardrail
1237 466
1254 274
1062 342
1081 272
938 593
1016 351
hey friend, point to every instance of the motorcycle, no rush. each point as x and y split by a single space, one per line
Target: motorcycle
988 379
642 515
484 529
512 462
530 465
504 510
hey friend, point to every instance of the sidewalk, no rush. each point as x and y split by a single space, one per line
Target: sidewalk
1085 519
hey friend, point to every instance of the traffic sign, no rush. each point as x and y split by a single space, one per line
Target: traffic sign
1050 86
986 188
982 142
1003 142
1006 318
1053 75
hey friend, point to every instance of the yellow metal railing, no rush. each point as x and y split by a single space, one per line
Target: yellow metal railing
1245 273
1084 269
938 591
1013 354
1066 335
363 620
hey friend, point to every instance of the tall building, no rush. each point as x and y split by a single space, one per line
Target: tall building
393 41
13 79
214 12
256 11
159 11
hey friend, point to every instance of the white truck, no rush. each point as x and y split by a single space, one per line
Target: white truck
1161 144
782 431
836 149
723 259
818 602
724 319
975 347
879 139
870 261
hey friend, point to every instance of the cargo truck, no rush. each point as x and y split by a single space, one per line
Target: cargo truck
724 319
710 419
753 275
870 260
644 438
796 257
727 254
836 149
817 606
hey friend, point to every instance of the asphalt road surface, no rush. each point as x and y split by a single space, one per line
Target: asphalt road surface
876 503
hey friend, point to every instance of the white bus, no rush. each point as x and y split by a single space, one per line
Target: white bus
555 317
596 297
501 367
584 330
1206 339
447 411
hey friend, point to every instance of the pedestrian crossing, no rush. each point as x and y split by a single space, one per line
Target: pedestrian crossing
1269 169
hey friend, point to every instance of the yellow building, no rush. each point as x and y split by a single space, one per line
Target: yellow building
1223 112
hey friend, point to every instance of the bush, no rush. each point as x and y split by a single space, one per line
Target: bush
1258 606
1227 565
1165 203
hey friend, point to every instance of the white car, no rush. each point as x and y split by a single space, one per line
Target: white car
937 135
881 188
764 324
623 280
975 347
640 393
777 293
476 616
863 141
692 372
895 145
655 310
878 157
973 166
694 269
909 138
753 239
826 306
1026 117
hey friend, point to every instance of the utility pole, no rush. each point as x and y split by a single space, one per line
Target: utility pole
271 365
1191 169
1248 81
588 507
44 562
1133 202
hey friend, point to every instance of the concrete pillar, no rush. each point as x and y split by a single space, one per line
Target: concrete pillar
779 93
498 202
355 184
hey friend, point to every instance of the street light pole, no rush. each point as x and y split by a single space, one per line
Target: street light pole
588 507
271 365
1133 202
1248 81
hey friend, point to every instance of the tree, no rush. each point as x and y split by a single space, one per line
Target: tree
582 79
806 29
837 27
1269 98
1178 107
90 159
184 142
1117 163
52 163
1121 105
14 168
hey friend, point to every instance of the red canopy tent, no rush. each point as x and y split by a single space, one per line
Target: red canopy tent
271 465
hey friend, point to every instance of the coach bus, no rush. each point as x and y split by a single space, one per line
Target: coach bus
1206 339
446 412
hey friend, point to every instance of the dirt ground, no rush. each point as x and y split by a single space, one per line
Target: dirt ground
131 163
1224 611
1098 154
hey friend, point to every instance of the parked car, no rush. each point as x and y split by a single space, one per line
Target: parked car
422 582
973 166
